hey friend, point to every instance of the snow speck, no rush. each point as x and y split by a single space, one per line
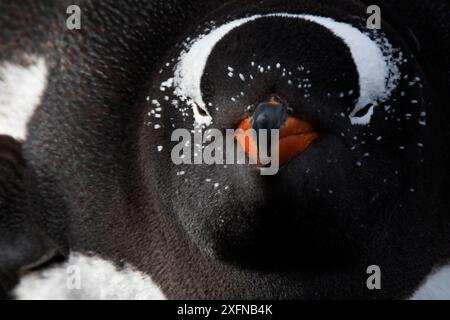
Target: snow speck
167 84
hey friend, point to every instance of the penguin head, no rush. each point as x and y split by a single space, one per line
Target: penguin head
360 97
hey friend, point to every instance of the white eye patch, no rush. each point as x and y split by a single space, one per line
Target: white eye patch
378 70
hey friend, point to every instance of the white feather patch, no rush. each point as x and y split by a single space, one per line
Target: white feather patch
436 286
21 89
88 278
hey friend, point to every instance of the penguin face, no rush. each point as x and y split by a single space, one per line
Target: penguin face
362 92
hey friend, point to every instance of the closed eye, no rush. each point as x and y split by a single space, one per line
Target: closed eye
364 111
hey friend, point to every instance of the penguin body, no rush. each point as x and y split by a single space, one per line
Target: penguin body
98 188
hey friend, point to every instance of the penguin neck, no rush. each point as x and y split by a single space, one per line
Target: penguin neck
182 271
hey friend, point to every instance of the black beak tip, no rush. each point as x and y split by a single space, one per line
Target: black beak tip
269 116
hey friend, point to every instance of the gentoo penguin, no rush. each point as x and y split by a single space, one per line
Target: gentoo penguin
93 206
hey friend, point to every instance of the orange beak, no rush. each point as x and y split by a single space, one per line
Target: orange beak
295 137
